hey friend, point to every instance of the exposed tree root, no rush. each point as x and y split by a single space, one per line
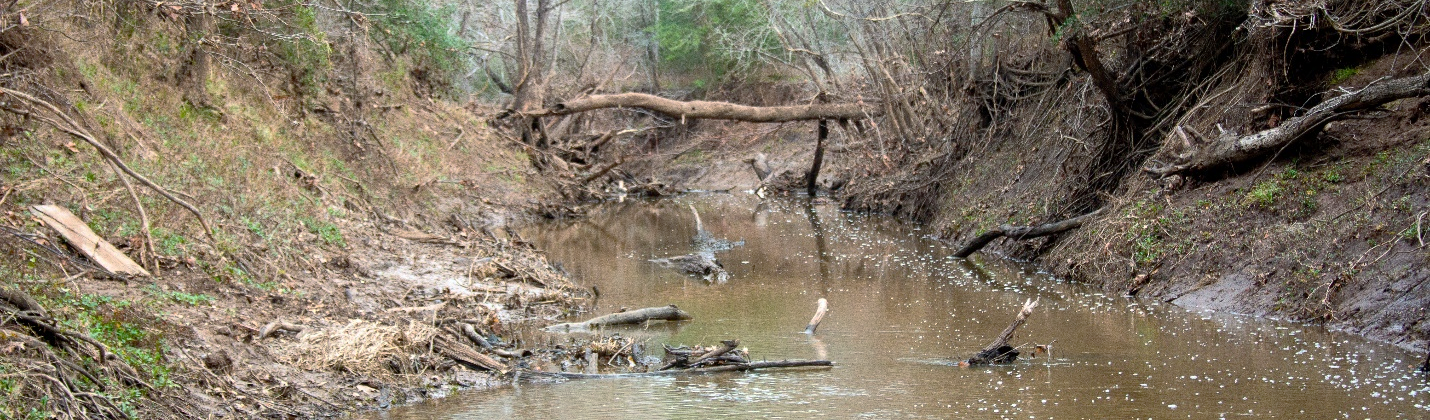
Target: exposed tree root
1231 149
1022 232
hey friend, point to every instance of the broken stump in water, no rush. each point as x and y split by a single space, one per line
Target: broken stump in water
702 262
999 352
698 264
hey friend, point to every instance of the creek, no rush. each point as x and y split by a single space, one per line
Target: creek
903 313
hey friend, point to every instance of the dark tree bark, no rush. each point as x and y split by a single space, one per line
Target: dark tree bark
811 179
192 76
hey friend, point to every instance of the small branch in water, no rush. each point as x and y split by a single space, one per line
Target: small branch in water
819 313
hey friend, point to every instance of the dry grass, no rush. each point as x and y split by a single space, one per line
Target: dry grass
361 347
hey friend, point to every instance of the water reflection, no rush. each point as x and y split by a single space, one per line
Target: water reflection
902 312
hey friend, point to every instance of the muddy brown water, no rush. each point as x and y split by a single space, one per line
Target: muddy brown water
903 313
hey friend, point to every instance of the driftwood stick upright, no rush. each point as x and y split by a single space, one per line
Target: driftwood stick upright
819 313
1022 232
999 351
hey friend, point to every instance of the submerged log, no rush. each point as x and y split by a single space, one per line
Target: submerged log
713 110
1022 232
663 313
999 351
738 367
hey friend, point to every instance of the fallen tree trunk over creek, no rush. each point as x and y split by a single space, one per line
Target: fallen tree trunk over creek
738 367
663 313
1022 232
1230 148
713 110
999 351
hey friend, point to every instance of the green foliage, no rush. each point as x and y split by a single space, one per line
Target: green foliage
308 56
419 30
326 231
699 37
1264 194
191 299
1146 234
1341 75
127 329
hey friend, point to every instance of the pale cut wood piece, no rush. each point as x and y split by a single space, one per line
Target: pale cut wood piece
86 241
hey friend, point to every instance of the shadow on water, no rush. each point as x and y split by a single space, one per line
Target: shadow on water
903 313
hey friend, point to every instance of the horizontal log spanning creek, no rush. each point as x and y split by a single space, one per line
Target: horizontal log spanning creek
902 315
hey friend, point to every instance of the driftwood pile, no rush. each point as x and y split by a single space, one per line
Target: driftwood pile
682 360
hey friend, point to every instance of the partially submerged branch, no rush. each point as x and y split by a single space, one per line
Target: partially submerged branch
711 109
663 313
1022 232
999 351
738 367
1232 149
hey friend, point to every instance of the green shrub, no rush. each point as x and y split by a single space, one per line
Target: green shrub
420 31
694 36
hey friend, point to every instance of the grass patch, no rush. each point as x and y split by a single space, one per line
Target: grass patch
191 299
326 231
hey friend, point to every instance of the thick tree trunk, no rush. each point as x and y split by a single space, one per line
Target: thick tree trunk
1022 232
811 178
712 110
1232 149
193 75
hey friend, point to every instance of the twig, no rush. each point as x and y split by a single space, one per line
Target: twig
143 221
72 128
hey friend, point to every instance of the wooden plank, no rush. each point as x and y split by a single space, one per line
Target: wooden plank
82 238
